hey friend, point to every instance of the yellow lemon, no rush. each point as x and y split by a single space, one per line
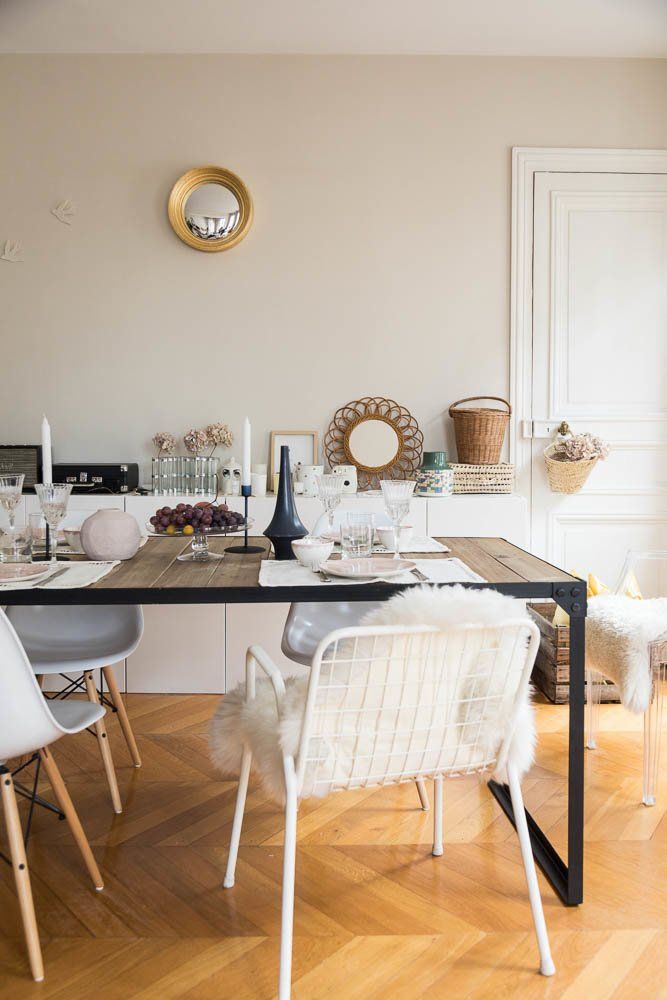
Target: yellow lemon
170 529
187 529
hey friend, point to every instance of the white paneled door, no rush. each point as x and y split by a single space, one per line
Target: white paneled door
599 361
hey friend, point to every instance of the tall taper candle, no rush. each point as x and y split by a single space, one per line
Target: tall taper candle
47 467
245 467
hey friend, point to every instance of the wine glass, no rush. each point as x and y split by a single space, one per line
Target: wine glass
330 488
397 494
11 488
53 499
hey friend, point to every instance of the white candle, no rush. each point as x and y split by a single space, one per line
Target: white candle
245 467
47 467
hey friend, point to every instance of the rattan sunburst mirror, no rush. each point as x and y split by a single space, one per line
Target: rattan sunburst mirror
377 435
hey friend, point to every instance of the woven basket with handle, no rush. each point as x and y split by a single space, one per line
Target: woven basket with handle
480 431
566 477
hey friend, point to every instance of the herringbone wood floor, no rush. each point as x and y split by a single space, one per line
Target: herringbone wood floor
376 915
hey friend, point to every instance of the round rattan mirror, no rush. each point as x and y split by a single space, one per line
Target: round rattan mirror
210 209
378 436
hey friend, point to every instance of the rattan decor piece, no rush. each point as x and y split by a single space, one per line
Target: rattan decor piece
483 478
480 431
567 477
404 463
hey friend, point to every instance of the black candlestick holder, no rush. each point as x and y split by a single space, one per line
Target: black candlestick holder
245 549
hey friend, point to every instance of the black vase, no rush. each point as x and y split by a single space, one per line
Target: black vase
285 524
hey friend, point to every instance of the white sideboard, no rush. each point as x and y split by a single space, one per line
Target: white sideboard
201 648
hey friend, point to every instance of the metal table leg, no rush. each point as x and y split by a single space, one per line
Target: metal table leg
567 879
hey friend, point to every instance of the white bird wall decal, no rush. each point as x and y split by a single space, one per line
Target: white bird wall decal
12 251
64 212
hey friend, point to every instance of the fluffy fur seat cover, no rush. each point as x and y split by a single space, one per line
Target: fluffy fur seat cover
618 633
269 731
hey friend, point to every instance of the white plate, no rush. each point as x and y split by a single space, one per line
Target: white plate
355 569
23 572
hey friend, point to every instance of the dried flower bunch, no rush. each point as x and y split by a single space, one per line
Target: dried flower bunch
580 448
164 442
196 441
219 434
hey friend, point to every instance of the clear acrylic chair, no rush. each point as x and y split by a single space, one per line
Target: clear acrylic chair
72 642
29 724
393 704
650 570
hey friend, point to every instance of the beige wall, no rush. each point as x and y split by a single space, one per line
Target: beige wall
378 262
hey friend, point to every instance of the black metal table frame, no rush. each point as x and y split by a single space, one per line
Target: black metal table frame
566 878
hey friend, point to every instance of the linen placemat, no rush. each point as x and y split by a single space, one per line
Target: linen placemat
290 573
73 575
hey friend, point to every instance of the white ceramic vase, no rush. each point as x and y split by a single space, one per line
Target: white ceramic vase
110 534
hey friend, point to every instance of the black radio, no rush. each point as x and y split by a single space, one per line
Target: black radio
96 478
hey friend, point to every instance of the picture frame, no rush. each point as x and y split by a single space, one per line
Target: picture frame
22 458
303 446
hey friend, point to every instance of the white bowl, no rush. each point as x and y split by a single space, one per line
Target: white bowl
386 537
312 551
73 539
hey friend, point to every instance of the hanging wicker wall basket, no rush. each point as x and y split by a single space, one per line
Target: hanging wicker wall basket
480 431
567 477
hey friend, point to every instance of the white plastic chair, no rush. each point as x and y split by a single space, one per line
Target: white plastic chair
29 725
650 568
78 640
387 705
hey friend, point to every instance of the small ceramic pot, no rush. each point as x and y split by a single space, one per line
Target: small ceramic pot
312 551
307 474
349 474
434 478
110 534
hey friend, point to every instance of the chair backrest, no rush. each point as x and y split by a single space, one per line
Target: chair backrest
26 724
380 518
387 704
112 626
649 567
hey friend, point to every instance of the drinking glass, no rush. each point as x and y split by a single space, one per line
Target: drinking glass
330 489
16 545
356 535
397 494
11 488
53 499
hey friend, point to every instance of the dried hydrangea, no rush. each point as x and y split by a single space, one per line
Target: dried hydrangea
164 442
580 448
219 434
196 441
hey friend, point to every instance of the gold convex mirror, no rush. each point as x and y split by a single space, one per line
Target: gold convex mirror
210 209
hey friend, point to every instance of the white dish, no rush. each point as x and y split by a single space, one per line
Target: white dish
311 551
357 569
23 572
385 536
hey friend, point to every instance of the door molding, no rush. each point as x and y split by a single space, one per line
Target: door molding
526 162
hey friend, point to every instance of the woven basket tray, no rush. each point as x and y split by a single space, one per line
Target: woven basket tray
483 478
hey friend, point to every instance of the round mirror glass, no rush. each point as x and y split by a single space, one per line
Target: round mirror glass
373 443
212 212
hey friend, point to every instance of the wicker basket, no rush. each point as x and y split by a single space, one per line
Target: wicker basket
567 477
483 478
480 431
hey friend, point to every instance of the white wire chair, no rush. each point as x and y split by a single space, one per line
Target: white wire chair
652 577
394 704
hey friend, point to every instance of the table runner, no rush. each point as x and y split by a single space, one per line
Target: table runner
274 573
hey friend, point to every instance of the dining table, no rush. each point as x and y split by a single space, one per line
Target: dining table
155 575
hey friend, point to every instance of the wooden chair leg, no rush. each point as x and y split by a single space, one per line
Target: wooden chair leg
423 794
21 875
105 749
123 718
67 806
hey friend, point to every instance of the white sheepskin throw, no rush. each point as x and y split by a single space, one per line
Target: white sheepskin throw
618 633
464 741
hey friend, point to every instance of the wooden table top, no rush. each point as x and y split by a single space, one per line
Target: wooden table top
154 576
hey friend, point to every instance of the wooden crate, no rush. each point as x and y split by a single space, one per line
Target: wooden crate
551 673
